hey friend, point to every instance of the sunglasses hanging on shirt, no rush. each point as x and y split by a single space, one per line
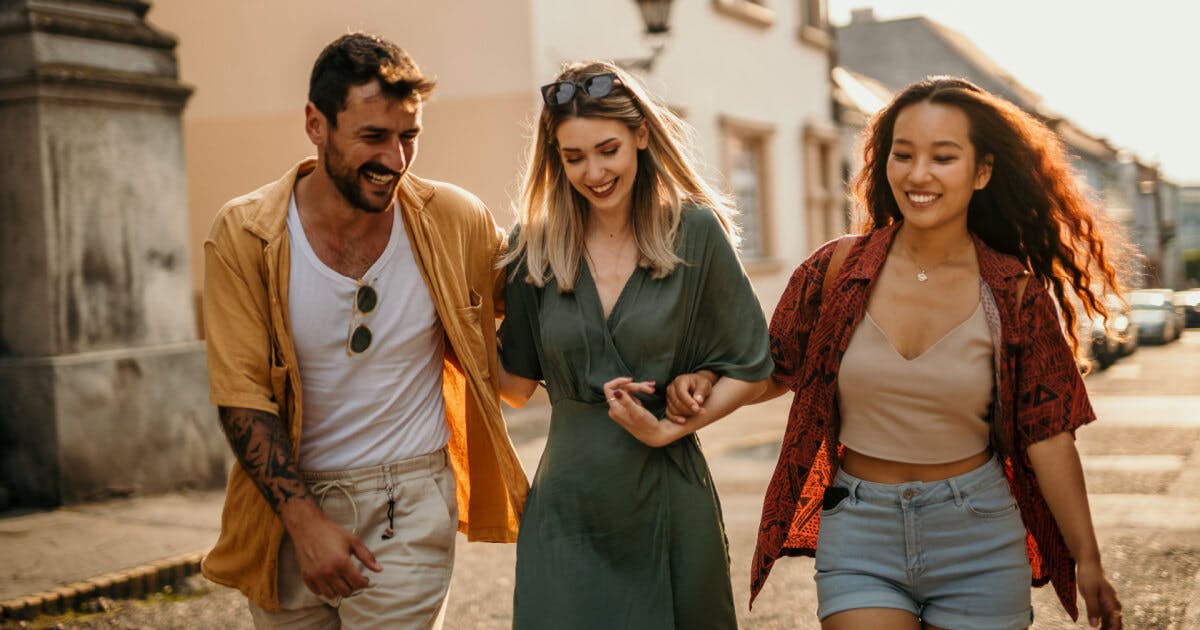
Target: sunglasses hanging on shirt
359 339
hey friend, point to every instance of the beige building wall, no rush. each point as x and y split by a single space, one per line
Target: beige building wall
726 71
249 62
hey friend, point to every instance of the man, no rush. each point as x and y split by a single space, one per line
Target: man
351 346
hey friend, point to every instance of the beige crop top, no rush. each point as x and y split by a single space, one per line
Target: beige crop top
928 410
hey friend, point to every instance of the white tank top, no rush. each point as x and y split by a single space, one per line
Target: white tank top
931 409
383 405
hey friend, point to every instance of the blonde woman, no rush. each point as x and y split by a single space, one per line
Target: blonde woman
622 274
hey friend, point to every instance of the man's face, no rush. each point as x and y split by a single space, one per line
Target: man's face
374 143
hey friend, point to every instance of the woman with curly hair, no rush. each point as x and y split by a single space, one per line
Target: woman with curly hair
623 274
929 461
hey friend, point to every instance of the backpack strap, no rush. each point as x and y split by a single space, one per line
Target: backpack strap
835 263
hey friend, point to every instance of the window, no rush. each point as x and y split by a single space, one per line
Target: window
814 24
754 12
746 162
827 213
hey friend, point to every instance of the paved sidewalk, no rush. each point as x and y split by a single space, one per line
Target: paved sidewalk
53 561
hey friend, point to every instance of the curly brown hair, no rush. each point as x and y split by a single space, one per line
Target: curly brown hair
1032 208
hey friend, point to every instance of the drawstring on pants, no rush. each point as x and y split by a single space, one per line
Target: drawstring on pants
321 488
391 528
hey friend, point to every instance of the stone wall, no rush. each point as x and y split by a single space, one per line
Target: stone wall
103 387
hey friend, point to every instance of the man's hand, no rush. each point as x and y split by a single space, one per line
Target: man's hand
324 550
687 393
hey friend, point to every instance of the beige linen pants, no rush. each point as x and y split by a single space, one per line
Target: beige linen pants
411 590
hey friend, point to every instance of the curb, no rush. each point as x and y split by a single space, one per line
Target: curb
137 582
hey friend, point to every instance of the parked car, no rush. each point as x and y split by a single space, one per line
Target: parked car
1105 339
1190 300
1156 315
1095 346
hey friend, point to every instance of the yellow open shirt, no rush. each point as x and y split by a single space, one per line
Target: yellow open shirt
252 361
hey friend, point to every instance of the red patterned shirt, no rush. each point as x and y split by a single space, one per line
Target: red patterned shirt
1039 394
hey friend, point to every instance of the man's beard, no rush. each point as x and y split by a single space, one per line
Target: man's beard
345 178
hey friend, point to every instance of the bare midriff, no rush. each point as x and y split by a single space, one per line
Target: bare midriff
878 470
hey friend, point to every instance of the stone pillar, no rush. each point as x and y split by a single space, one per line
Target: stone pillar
103 387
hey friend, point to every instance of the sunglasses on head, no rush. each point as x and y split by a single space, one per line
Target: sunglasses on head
359 340
560 93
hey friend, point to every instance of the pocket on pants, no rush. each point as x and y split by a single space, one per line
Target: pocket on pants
448 490
835 499
435 521
831 533
995 501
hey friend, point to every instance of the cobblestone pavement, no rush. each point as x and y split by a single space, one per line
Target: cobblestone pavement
1142 461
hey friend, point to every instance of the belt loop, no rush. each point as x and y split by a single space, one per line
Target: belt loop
958 500
854 489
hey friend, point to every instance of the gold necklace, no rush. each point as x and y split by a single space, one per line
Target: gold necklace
922 275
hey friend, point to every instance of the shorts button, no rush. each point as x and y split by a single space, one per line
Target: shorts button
909 494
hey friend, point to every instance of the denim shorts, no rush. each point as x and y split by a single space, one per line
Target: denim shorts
951 552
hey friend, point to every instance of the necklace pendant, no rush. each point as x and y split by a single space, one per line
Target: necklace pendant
921 277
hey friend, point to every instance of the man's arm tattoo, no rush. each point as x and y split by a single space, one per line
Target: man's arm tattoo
262 446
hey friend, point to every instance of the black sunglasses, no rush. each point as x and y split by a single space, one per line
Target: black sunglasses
365 300
560 93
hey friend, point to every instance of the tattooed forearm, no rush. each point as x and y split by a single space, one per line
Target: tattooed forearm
262 446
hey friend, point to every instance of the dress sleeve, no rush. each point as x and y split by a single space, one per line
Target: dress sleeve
729 327
519 333
1051 397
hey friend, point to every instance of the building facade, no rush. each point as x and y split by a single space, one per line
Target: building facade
764 131
1189 232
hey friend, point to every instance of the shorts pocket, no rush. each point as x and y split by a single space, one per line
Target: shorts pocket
839 506
994 502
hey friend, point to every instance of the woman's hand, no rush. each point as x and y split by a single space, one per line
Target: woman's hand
687 393
628 412
1059 472
1099 597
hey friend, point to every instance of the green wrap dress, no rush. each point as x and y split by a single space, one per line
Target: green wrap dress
617 534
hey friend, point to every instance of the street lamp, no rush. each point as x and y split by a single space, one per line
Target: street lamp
656 15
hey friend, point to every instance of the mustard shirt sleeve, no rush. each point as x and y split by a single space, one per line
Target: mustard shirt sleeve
236 328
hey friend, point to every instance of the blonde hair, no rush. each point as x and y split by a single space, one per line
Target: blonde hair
552 215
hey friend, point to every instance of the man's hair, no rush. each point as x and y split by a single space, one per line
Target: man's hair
358 59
